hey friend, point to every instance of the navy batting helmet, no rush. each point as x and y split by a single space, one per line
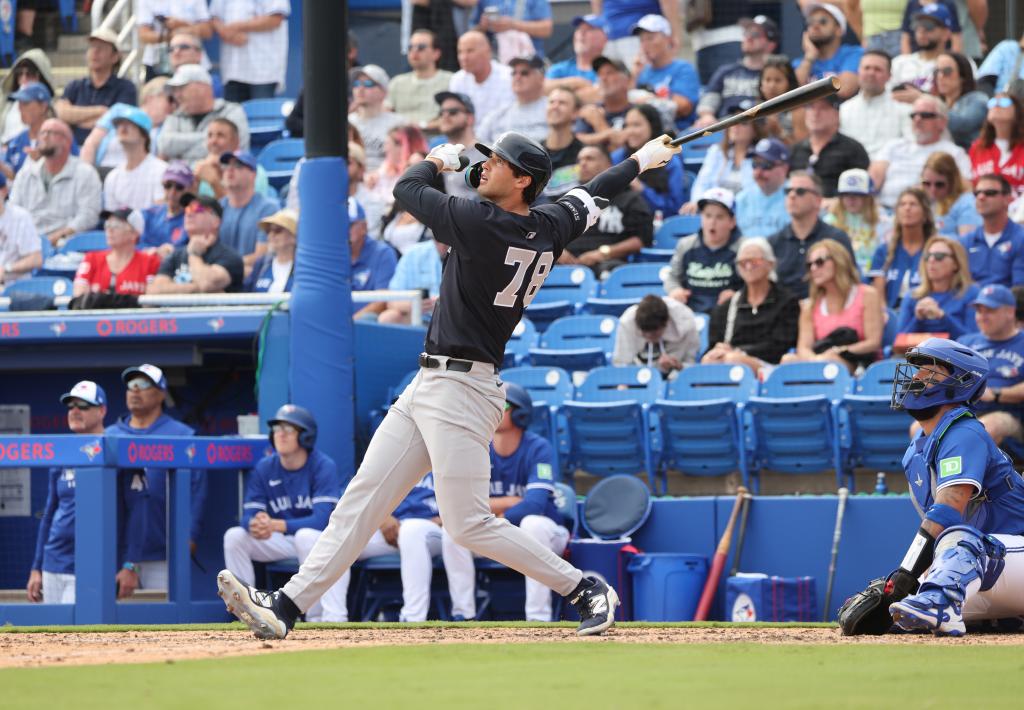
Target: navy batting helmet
522 404
527 155
968 373
299 417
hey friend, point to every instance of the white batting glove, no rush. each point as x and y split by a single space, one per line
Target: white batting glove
448 154
656 153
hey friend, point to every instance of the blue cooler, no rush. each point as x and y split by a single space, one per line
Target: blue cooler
607 559
667 585
758 597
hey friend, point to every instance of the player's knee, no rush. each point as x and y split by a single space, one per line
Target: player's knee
534 526
995 427
464 532
235 537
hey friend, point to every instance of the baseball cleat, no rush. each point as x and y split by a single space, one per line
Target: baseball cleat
921 613
255 608
596 606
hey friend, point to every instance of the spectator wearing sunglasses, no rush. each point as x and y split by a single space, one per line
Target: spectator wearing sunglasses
826 152
369 114
52 576
942 302
824 53
527 111
142 492
761 210
1000 146
203 264
165 222
899 164
254 46
411 95
996 248
159 21
954 84
950 194
186 47
184 133
792 243
913 73
457 123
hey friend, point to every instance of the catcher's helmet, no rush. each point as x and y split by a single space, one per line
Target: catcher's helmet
298 417
527 155
522 404
965 383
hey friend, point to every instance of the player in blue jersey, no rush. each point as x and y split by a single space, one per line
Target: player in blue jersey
52 579
966 562
142 492
288 499
523 492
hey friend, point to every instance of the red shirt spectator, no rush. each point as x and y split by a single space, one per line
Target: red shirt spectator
999 149
121 269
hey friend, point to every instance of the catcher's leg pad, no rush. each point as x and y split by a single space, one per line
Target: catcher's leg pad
963 554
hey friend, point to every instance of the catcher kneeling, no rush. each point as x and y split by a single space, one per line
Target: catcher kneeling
966 562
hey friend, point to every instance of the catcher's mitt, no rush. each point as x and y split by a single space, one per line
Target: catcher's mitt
867 612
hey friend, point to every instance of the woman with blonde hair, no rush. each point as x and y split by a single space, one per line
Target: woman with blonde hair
942 303
894 267
952 201
856 213
842 319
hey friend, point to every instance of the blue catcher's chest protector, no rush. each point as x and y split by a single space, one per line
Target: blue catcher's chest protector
960 451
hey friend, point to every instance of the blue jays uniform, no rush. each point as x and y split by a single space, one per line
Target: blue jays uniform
1001 263
142 496
55 543
1006 363
420 502
902 276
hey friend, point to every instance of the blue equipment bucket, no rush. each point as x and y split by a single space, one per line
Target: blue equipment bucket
667 586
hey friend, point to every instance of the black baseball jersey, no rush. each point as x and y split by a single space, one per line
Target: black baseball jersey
498 260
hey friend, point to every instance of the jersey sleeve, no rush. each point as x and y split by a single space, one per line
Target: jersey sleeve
961 459
454 221
540 481
48 512
255 493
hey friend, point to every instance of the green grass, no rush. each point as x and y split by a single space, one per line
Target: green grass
542 676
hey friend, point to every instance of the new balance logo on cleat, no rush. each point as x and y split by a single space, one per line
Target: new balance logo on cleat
596 607
255 608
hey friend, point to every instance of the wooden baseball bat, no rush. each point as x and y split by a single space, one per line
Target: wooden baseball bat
837 534
741 536
718 562
784 102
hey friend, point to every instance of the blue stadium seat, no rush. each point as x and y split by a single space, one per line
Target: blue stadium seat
870 433
42 285
695 151
703 326
564 292
675 227
700 420
549 387
576 343
377 589
517 349
790 428
95 240
624 287
266 119
609 423
279 157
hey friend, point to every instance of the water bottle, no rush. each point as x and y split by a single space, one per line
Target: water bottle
659 218
880 487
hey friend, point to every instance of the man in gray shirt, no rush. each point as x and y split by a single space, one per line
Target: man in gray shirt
183 136
527 114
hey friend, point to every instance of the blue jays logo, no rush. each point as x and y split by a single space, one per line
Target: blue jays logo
92 449
59 328
190 451
1005 247
216 324
743 609
1008 372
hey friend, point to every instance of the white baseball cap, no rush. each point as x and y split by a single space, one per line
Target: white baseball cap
134 218
719 196
854 181
831 9
189 73
87 391
652 23
154 373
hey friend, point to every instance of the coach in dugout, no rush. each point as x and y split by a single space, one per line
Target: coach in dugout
52 579
288 499
142 492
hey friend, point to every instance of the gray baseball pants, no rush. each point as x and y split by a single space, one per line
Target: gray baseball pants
444 422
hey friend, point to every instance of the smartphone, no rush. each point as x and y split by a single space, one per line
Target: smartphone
424 293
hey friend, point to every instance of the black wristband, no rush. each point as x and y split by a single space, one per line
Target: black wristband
919 556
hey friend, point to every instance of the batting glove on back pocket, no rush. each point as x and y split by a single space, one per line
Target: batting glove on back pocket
449 155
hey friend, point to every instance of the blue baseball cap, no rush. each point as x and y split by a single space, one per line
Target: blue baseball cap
356 213
153 373
995 296
87 391
595 21
32 92
242 156
938 13
771 149
134 114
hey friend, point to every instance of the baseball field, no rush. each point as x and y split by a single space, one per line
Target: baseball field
510 665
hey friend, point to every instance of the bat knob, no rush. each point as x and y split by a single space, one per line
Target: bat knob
463 163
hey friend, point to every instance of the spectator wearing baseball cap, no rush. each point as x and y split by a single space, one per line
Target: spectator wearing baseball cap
33 66
272 272
913 73
243 207
121 269
52 576
937 12
732 84
368 113
824 53
761 210
621 16
577 73
1002 342
165 221
254 46
373 260
527 112
457 122
203 264
183 136
33 106
601 123
703 272
20 252
142 493
826 151
665 77
411 95
85 100
136 182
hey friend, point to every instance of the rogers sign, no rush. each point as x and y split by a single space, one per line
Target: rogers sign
228 453
25 451
150 453
145 326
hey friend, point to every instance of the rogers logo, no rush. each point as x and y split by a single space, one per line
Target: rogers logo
150 453
228 453
23 452
10 330
104 327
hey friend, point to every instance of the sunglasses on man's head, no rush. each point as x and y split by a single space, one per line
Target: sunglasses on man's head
924 115
365 83
819 262
1000 102
800 191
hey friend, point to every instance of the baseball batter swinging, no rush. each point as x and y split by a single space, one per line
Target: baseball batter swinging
500 252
